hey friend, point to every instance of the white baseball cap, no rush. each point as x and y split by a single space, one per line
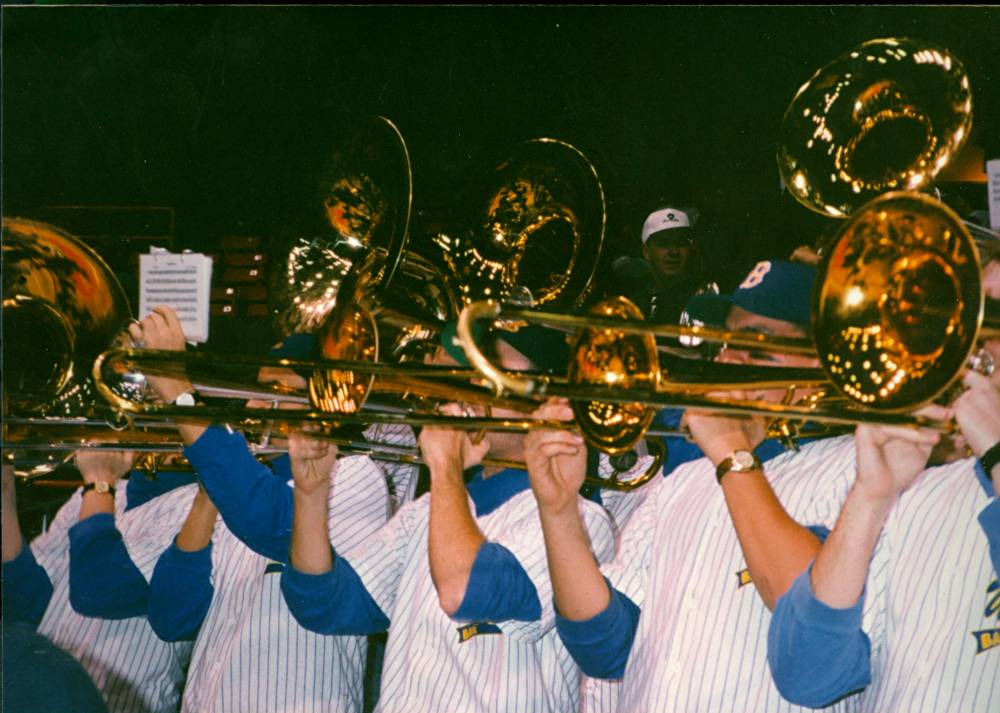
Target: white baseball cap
669 219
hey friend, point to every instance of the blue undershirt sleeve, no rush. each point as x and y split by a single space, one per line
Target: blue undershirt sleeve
254 504
601 645
103 580
817 654
180 593
27 589
499 589
335 602
989 520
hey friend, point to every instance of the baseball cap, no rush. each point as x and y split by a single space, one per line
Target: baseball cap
780 289
546 348
681 220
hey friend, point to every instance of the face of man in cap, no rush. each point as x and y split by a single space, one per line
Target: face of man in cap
741 320
667 254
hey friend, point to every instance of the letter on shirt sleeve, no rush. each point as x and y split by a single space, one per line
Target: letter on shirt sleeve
817 654
180 593
103 580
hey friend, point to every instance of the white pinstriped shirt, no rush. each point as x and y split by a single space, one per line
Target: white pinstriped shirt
251 655
427 670
133 669
701 643
928 586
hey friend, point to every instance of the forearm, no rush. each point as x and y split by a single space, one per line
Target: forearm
13 542
454 538
310 548
777 549
95 503
255 505
579 588
841 567
196 532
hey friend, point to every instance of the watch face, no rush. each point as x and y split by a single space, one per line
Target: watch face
186 399
102 487
744 459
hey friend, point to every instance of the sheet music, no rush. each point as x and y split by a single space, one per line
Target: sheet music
993 189
181 281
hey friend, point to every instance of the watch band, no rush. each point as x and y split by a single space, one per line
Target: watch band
99 486
990 459
738 462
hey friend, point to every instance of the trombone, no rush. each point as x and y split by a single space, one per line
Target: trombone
898 308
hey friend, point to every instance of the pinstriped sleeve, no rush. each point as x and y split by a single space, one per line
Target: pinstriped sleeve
380 562
528 545
627 572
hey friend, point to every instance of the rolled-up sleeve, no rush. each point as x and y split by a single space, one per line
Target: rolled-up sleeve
335 602
254 504
104 582
27 589
180 593
601 645
817 654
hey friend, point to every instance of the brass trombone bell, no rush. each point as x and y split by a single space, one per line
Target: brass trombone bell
62 306
364 202
886 116
898 310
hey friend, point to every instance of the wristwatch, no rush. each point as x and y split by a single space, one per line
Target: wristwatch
100 486
185 399
738 462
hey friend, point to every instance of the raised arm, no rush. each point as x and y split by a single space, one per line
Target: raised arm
322 591
104 582
776 547
26 586
180 591
454 539
161 329
816 647
978 414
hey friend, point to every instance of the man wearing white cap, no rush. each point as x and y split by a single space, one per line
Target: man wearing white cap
668 246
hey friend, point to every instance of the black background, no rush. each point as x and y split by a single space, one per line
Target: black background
220 112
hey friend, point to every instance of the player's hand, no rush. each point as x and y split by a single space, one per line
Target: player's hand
451 450
312 462
719 435
101 465
556 460
977 411
161 329
891 457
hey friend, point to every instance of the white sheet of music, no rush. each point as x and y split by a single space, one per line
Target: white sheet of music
181 281
993 171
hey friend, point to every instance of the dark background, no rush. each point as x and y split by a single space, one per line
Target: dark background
220 112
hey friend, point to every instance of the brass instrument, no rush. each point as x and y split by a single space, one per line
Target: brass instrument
62 306
363 205
160 451
897 312
545 205
886 116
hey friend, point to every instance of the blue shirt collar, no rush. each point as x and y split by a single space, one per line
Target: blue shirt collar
490 493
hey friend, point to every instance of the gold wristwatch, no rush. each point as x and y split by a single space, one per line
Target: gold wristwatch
100 486
738 462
